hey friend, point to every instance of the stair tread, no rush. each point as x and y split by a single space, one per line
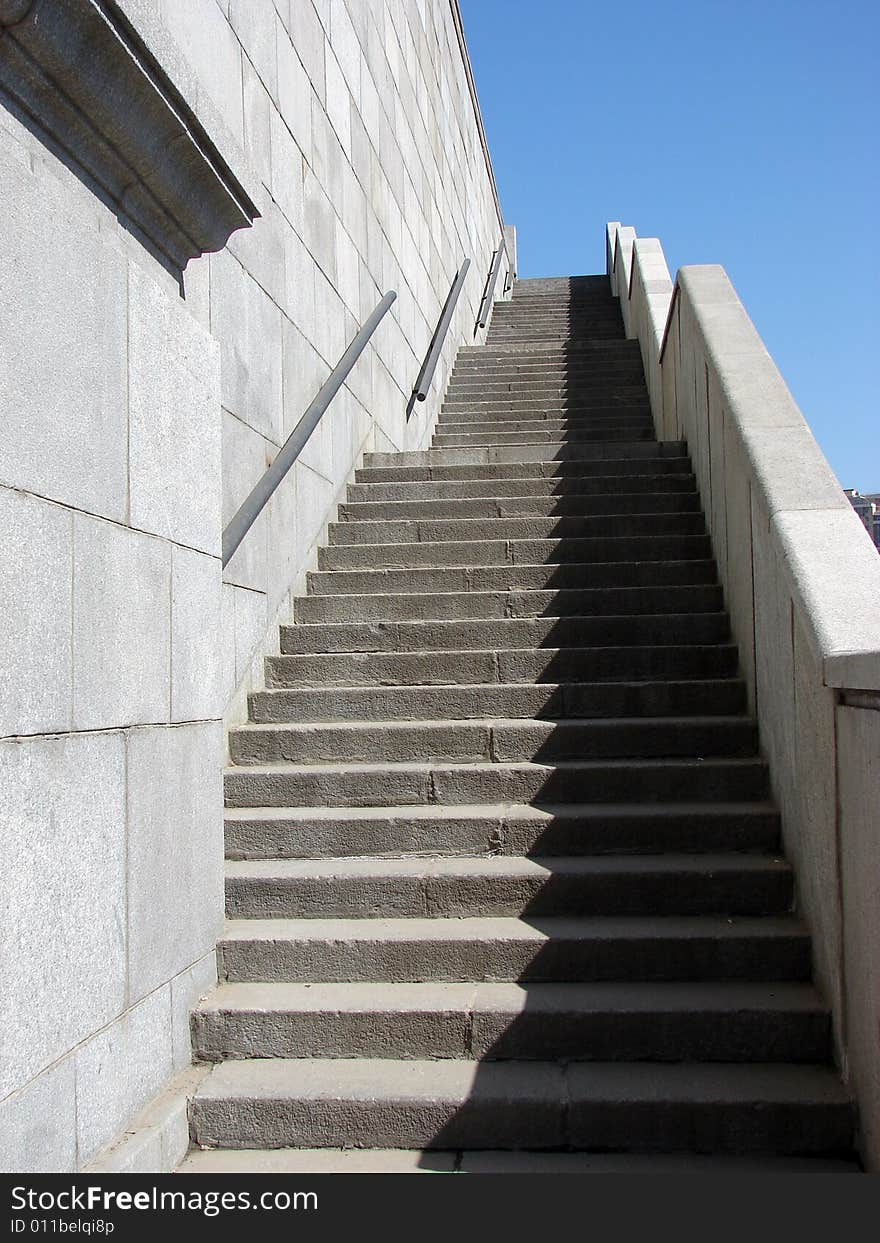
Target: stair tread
726 997
537 930
430 1161
463 1081
507 811
501 866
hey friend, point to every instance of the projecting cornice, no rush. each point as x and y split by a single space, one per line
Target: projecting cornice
81 72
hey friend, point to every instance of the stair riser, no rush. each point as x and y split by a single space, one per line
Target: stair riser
612 363
459 703
690 831
646 1126
498 742
681 781
631 433
515 665
611 602
508 634
542 472
659 1035
687 893
505 455
531 489
452 530
579 960
485 391
513 551
512 578
537 421
522 507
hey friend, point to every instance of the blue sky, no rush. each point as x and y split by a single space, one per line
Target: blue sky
741 133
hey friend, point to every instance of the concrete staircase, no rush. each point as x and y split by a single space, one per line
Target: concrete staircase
503 874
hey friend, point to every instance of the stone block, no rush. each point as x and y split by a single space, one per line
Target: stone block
338 100
319 235
344 41
246 454
121 626
858 743
283 522
260 249
307 36
299 277
294 92
120 1069
254 26
774 672
287 174
347 274
63 384
314 497
810 831
174 432
789 470
212 49
187 989
175 850
36 589
257 106
834 573
62 835
31 1141
196 658
251 621
247 324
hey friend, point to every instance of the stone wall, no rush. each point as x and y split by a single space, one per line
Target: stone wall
138 408
802 580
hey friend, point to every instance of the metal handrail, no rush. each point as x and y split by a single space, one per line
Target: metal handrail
429 366
247 513
483 313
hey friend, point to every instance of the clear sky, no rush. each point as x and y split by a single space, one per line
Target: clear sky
742 133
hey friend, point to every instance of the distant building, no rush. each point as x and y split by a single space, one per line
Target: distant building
867 506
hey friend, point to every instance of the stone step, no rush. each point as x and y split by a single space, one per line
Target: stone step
572 504
461 887
500 829
484 390
494 741
539 421
590 323
636 662
390 783
666 1022
612 361
224 1161
634 1106
505 633
721 696
552 949
578 352
632 431
507 455
452 530
542 422
510 550
460 606
553 472
511 577
507 489
610 410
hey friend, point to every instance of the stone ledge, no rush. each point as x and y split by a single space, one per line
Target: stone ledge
82 73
